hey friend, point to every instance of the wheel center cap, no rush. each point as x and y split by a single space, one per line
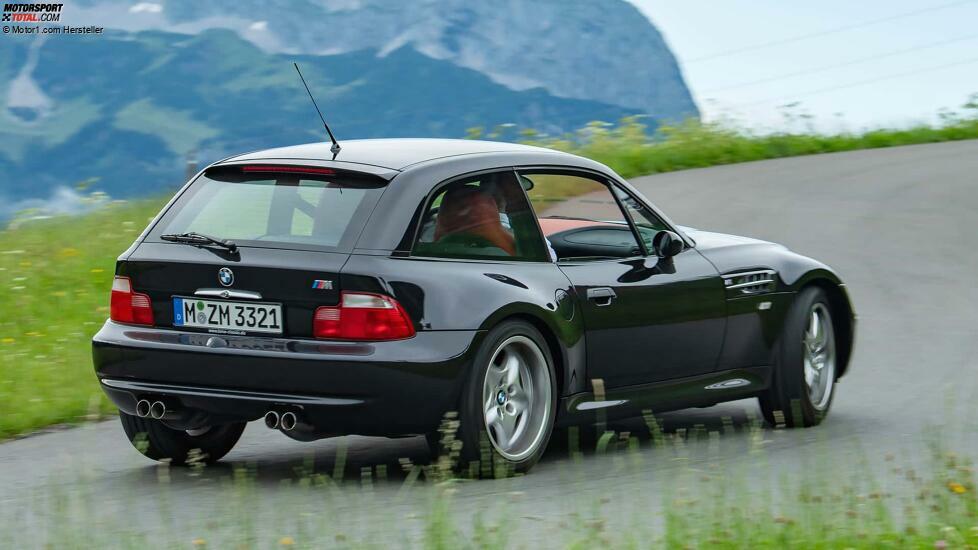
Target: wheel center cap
501 397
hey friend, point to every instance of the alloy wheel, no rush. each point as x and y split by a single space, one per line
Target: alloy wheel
517 398
818 356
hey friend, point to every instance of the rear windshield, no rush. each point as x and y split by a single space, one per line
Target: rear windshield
275 209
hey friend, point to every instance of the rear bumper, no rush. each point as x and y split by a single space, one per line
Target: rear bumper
382 388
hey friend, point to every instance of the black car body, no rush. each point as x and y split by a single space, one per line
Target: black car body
688 318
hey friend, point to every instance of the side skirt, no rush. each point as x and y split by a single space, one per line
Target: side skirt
681 393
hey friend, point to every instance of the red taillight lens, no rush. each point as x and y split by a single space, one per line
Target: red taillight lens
363 316
128 306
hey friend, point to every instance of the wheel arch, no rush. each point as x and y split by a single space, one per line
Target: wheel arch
554 345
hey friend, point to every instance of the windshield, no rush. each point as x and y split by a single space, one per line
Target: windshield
274 209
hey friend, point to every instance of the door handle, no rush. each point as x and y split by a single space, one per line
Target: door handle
601 296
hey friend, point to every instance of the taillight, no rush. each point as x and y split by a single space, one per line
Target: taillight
363 316
128 306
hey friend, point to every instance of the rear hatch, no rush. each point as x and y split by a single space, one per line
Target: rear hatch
291 229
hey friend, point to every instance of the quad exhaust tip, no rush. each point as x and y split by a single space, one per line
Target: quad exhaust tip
289 421
143 408
286 421
157 410
271 420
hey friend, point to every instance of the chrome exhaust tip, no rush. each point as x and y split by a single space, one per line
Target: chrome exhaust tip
142 408
271 420
157 410
289 421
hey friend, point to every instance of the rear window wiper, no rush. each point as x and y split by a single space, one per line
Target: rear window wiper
200 239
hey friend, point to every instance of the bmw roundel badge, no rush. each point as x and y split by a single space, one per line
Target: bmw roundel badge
226 276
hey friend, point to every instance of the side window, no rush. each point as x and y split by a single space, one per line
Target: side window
579 217
646 222
482 217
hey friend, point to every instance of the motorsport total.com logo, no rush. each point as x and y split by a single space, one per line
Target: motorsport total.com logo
32 13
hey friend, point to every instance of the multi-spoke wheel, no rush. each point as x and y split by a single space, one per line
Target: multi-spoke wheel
819 356
509 403
804 377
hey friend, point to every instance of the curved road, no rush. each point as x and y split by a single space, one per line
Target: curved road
900 225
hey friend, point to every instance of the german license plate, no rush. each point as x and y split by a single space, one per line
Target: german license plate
222 315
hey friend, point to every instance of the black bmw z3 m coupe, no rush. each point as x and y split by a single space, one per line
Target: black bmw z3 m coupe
374 290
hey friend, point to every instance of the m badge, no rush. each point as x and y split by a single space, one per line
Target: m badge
320 284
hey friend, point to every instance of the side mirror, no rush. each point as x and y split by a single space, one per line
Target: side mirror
667 244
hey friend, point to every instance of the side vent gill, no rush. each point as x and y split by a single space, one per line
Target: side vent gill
750 282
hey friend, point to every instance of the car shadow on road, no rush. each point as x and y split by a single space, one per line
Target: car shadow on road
345 459
392 462
731 420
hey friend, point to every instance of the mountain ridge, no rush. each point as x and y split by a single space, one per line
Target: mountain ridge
603 51
129 107
131 119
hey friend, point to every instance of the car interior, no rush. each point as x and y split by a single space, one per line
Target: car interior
469 216
483 217
488 217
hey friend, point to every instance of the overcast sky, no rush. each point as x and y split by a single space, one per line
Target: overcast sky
902 60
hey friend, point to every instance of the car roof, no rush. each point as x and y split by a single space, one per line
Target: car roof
394 154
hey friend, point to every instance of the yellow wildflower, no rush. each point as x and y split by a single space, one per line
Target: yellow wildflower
199 542
286 541
8 340
956 487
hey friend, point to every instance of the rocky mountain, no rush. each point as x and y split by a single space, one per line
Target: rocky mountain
605 50
130 106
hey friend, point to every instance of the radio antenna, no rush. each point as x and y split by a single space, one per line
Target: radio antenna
336 146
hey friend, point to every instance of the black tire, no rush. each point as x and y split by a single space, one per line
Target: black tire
477 448
159 442
787 402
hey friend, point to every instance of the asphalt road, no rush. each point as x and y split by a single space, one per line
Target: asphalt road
901 227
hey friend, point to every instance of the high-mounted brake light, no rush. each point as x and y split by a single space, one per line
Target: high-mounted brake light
290 169
128 306
363 316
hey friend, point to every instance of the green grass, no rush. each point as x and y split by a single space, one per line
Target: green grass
55 274
707 501
55 277
631 151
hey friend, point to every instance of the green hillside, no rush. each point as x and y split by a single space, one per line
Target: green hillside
137 104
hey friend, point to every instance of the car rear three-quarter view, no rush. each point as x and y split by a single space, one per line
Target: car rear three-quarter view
375 289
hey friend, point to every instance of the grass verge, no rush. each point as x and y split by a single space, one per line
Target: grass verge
632 151
55 277
684 491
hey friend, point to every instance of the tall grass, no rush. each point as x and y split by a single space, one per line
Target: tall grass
55 277
827 501
631 150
